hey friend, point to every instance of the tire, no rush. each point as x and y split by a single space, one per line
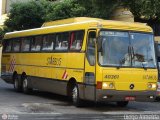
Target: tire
17 84
75 97
157 98
25 86
122 103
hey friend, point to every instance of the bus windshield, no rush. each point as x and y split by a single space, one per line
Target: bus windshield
127 49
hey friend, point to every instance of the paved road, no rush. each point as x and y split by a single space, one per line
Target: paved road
44 106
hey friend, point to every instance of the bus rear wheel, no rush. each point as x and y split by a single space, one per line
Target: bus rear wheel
122 103
25 86
75 96
17 84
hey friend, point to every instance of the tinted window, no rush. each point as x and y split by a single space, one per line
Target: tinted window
36 43
7 45
62 41
143 50
76 40
25 46
48 42
114 48
91 48
16 45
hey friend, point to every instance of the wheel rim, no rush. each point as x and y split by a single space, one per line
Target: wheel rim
25 84
75 94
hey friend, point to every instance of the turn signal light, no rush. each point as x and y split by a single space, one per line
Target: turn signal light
99 85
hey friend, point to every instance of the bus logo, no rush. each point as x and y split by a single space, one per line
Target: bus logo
131 86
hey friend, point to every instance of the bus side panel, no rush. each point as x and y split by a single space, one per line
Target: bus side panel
49 85
52 71
76 63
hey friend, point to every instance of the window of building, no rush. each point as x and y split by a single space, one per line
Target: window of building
76 40
36 43
16 45
48 43
62 41
25 45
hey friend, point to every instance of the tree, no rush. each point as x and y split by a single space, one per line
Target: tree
146 9
2 32
26 15
100 8
65 9
34 13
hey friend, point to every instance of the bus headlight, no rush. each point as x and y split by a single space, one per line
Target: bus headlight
105 85
152 85
108 85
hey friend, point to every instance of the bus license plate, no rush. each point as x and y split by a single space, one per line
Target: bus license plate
130 98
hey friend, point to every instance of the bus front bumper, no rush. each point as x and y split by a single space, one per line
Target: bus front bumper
114 95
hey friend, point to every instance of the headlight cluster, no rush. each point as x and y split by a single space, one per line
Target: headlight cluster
107 85
152 86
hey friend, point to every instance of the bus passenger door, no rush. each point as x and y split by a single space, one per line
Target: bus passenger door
90 61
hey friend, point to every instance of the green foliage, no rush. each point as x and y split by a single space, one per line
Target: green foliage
26 15
2 32
100 8
34 13
64 9
147 9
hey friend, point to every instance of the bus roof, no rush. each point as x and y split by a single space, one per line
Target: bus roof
69 21
79 23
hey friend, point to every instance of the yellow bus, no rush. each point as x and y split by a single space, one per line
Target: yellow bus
83 58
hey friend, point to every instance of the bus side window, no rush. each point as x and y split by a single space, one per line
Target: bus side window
62 41
91 48
48 43
25 46
7 46
16 45
36 43
76 40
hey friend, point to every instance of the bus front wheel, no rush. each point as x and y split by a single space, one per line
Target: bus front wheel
75 96
122 103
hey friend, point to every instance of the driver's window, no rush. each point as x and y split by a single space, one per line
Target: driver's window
91 48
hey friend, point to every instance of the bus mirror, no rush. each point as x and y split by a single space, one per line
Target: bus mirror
99 44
